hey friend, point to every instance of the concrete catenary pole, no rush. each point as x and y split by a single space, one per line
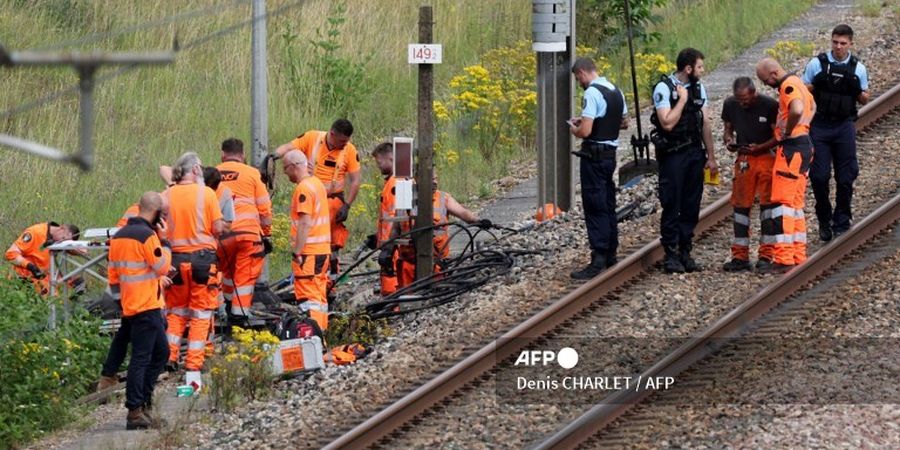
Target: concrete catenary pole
259 99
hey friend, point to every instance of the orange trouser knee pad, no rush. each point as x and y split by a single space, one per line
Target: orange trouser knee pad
311 285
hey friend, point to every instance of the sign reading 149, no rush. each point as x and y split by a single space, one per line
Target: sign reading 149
425 53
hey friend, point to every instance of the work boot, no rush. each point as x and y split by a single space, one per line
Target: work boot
737 265
672 263
106 382
156 421
825 233
763 265
611 259
137 420
689 264
778 268
597 265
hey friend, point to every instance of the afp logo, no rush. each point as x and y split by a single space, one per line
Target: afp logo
567 357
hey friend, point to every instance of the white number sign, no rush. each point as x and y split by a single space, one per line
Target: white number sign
425 53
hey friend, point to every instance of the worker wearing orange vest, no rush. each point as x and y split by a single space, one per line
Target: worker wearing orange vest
137 261
310 238
242 250
384 158
194 222
334 161
132 211
752 117
444 206
793 156
29 254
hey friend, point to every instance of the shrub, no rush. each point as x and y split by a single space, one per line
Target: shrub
43 371
787 52
241 371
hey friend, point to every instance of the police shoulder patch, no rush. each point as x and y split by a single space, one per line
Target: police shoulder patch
658 97
157 252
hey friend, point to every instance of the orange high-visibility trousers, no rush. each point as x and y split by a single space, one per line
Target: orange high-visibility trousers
339 233
752 179
389 283
311 285
241 262
190 304
789 178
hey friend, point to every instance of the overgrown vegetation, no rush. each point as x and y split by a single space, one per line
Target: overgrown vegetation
241 371
356 328
786 52
43 371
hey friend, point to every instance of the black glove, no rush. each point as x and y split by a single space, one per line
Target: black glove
386 261
371 242
36 271
267 245
342 213
484 223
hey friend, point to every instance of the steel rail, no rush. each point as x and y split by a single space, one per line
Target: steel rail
435 390
739 319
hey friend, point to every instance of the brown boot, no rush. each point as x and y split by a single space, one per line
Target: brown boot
156 421
106 383
137 420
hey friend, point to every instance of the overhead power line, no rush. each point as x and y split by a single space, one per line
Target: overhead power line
41 101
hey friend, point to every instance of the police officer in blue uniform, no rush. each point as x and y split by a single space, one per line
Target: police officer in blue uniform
838 80
603 115
683 141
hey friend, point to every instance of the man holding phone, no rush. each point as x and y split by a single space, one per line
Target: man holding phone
603 114
752 117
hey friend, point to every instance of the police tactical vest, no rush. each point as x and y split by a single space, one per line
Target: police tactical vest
606 128
690 125
835 89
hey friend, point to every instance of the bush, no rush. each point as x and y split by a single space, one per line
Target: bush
787 52
43 371
242 371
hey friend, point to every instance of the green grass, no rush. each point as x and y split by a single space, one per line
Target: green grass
149 117
152 115
720 29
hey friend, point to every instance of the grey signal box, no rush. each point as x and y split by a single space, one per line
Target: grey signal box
551 24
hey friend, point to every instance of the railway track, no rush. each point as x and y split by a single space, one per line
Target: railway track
479 364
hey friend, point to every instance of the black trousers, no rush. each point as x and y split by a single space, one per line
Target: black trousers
598 197
834 145
118 349
680 192
149 353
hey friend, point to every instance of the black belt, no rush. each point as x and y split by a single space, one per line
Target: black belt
596 151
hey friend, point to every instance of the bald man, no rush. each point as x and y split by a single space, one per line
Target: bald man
793 156
139 256
310 238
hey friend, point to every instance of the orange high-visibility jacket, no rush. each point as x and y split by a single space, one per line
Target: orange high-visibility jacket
193 208
30 245
252 205
309 198
137 259
388 198
441 231
329 166
132 211
792 88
